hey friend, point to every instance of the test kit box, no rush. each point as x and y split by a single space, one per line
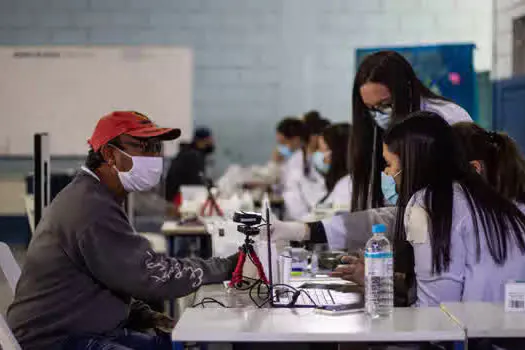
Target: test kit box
515 296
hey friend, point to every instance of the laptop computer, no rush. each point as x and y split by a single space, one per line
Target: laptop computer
310 294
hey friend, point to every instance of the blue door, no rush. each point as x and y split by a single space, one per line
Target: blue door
509 108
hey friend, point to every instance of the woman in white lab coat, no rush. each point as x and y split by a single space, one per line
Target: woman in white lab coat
386 89
331 160
305 186
289 134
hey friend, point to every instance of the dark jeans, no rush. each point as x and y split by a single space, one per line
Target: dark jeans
121 340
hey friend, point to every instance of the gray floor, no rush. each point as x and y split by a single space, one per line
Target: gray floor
5 291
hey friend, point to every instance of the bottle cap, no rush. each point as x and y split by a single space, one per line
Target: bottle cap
379 228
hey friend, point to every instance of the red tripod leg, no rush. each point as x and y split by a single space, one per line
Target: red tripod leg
237 273
258 265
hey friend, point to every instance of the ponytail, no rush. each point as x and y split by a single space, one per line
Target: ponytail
509 166
503 163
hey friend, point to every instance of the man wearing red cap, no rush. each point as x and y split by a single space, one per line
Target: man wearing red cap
86 267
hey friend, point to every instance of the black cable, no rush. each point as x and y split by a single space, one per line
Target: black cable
195 296
238 286
308 295
209 300
250 294
267 290
296 292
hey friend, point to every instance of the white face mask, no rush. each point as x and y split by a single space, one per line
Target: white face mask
143 175
382 118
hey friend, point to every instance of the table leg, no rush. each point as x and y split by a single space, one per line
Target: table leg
206 246
171 245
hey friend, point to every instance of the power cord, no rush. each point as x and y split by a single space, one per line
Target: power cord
259 294
296 293
207 300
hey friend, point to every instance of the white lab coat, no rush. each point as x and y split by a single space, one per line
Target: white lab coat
451 112
301 193
341 194
352 230
291 166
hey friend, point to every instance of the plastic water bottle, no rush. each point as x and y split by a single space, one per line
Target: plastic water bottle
379 274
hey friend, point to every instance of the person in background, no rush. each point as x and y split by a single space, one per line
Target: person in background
189 166
467 230
289 135
496 157
331 160
86 268
305 187
314 125
386 89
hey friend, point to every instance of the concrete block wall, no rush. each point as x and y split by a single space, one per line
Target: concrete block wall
505 12
256 60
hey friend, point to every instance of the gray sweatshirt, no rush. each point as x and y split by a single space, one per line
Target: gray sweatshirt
84 265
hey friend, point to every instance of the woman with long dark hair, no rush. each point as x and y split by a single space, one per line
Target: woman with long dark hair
386 89
331 160
496 157
468 238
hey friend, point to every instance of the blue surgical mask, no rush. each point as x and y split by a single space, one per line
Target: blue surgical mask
388 186
285 151
383 117
318 162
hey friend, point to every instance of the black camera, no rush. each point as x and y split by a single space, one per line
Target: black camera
248 220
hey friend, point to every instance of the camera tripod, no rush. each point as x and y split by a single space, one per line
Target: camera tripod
247 250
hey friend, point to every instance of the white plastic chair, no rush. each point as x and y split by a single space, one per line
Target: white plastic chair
9 266
29 201
7 339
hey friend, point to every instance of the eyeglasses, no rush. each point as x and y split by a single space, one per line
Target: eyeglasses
146 146
382 108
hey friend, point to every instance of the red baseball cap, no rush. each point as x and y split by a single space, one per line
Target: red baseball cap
131 123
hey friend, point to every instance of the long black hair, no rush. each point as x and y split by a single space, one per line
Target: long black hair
432 160
392 70
502 162
337 137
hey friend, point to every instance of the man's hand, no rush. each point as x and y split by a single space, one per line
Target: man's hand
163 323
353 270
143 319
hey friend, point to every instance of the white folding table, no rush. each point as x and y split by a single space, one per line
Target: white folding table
487 320
211 325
